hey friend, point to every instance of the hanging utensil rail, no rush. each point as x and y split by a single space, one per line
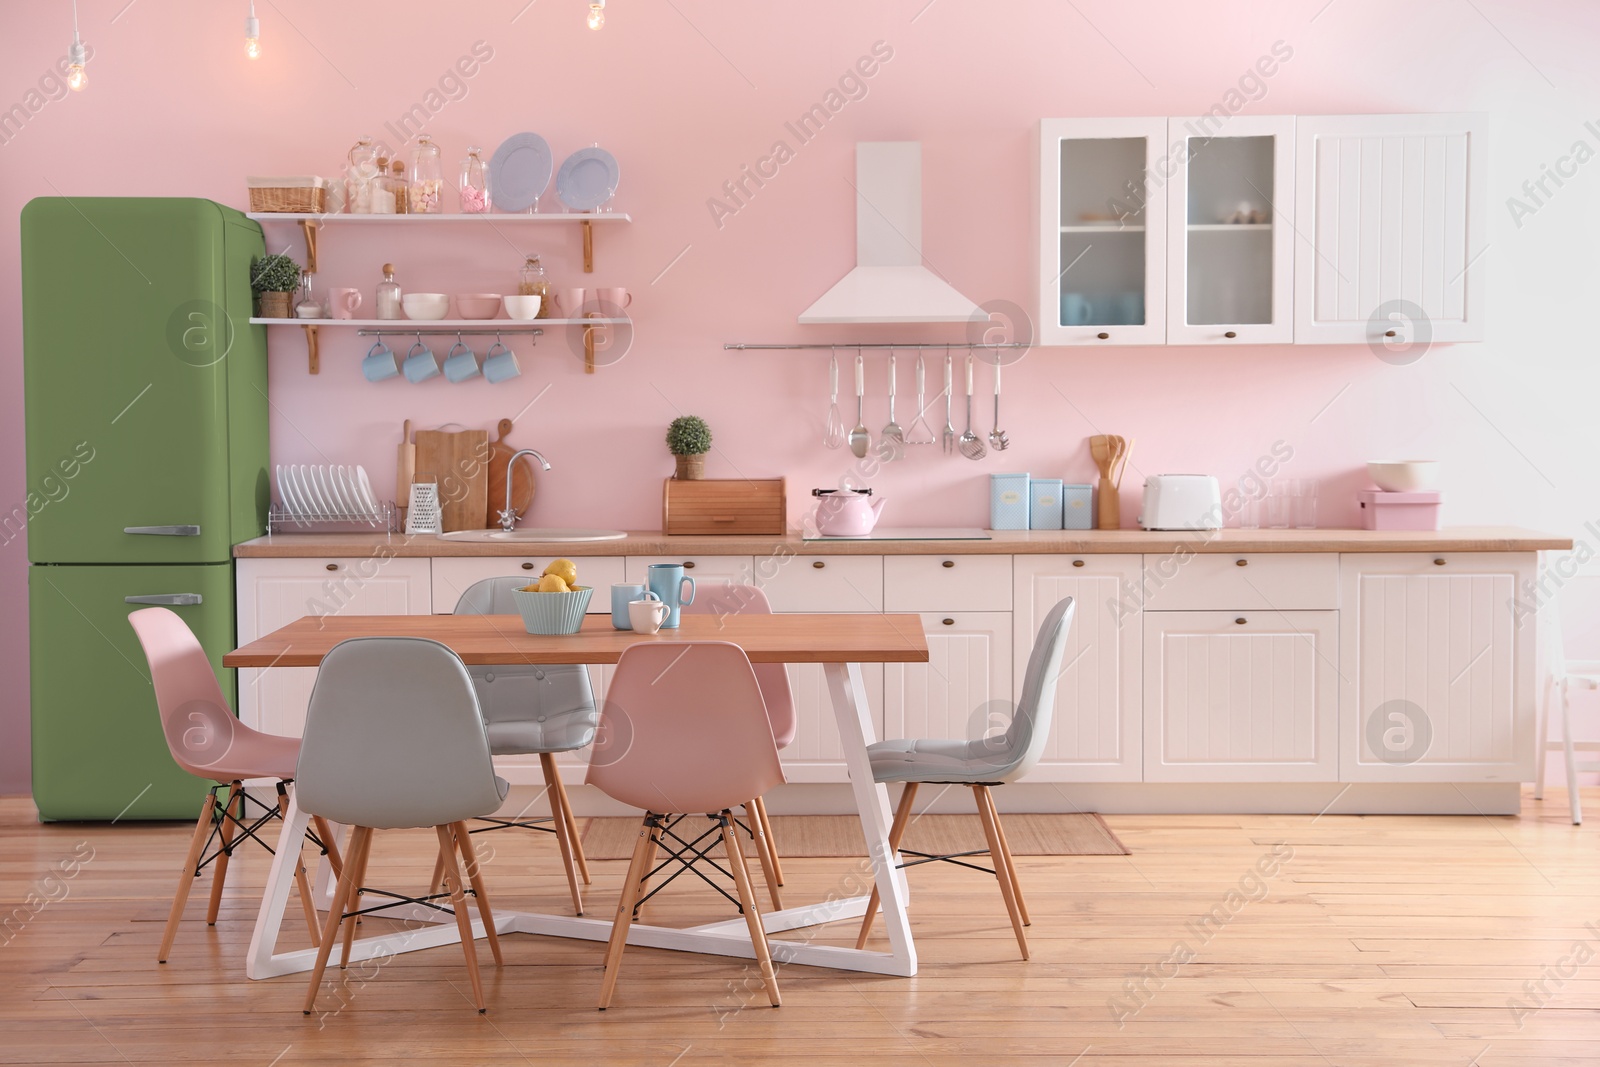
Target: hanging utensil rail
739 346
381 332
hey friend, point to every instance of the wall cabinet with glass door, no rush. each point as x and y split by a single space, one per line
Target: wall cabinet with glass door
1230 231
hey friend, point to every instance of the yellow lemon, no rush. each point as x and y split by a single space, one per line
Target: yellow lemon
552 583
564 569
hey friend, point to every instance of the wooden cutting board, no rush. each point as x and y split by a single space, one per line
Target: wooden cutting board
460 460
500 455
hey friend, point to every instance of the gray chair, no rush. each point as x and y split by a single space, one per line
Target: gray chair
532 710
980 764
394 739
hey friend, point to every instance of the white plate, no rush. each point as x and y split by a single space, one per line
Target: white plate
330 491
286 492
519 170
308 482
587 179
365 488
341 491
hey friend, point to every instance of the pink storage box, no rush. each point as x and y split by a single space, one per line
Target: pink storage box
1399 511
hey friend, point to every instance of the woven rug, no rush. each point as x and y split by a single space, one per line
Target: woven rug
802 836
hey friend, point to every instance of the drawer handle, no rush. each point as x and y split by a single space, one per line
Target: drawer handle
948 563
1241 563
1438 562
527 566
180 530
1389 333
1103 336
1077 563
1240 620
1230 334
175 600
688 564
333 566
818 564
949 622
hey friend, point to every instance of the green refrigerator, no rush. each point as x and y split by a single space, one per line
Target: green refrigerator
146 411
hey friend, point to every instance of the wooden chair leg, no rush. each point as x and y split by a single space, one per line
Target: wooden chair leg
1005 847
360 840
652 857
480 889
186 877
219 873
772 842
552 782
458 901
308 907
569 820
643 848
752 912
897 830
769 870
438 875
358 878
335 860
1003 876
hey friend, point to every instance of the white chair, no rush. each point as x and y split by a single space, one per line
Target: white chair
394 739
1562 675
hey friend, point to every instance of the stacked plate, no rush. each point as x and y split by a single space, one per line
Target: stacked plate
327 491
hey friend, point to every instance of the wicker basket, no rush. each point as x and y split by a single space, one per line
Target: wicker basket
307 195
550 614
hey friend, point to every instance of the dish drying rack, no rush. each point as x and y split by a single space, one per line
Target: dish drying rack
386 519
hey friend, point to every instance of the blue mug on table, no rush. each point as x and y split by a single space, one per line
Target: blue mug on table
666 580
623 594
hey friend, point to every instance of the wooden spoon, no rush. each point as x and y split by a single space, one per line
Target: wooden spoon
1109 516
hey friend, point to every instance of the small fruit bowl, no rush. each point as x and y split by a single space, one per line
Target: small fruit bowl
550 614
478 305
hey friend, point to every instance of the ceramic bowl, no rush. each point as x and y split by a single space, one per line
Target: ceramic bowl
478 305
1405 475
522 308
552 613
426 305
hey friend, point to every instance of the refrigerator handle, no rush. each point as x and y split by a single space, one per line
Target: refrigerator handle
164 531
173 600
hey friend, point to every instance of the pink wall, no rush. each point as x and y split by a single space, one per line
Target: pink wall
685 94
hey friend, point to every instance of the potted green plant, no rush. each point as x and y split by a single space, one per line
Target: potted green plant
273 278
689 439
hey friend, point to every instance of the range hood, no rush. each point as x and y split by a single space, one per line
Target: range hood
889 282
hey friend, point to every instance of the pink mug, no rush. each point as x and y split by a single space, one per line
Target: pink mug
613 300
570 301
342 303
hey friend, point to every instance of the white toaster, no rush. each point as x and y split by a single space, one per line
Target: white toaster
1181 502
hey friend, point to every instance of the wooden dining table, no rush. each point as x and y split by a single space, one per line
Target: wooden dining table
840 642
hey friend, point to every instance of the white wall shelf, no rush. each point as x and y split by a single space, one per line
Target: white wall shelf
399 326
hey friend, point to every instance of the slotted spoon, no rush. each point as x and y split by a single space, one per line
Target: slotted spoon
971 446
859 438
833 437
997 436
949 435
891 429
921 433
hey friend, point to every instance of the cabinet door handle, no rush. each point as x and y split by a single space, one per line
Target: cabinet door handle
1240 620
333 566
1103 336
174 600
181 530
818 564
1077 563
948 563
949 622
1241 563
1230 334
527 566
688 564
1388 333
1438 562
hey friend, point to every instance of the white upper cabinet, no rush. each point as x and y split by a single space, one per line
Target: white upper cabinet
1230 230
1102 231
1391 224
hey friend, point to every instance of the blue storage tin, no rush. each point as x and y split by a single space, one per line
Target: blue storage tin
1044 504
1077 507
1008 501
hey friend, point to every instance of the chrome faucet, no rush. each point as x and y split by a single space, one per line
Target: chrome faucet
509 514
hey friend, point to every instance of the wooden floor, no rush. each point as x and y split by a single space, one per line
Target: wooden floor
1368 941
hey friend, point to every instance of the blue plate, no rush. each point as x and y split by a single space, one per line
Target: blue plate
519 170
587 179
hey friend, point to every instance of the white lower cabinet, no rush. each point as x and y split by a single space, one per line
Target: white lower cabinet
1241 697
275 592
1441 675
964 690
1096 731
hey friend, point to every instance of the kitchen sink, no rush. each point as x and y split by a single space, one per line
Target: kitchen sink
548 535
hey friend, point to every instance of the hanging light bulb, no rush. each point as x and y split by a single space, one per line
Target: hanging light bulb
77 80
252 34
597 14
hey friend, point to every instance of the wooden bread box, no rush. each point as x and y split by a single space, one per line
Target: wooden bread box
703 506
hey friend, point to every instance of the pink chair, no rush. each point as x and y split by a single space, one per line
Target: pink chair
207 741
730 598
681 733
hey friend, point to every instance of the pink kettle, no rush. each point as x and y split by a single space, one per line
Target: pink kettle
847 512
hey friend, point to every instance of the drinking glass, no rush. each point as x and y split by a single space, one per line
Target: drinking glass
1305 504
1250 513
1278 504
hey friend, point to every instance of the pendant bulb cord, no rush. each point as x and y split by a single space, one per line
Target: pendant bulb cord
75 35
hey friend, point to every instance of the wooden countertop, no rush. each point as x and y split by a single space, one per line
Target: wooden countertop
1004 543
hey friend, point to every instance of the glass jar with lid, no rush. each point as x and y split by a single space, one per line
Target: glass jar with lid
381 201
389 306
427 178
400 188
361 172
474 184
533 281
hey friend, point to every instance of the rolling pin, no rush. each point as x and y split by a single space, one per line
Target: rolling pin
405 469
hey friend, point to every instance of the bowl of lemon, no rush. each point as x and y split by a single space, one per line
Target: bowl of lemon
555 604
